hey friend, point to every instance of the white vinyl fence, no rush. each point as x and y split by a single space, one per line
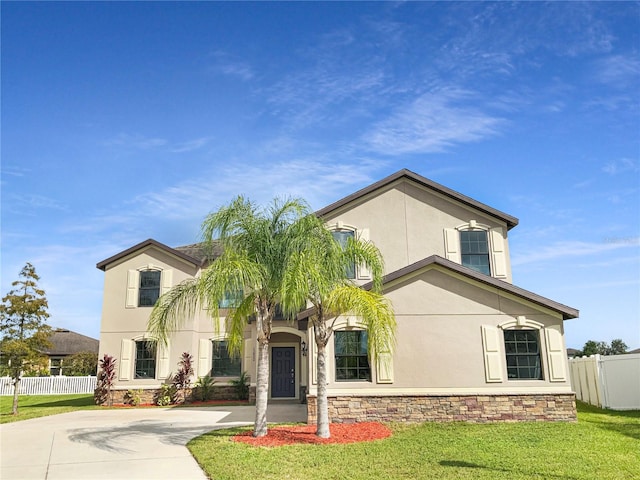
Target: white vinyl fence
49 385
611 381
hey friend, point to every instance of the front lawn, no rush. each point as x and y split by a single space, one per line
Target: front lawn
602 445
33 406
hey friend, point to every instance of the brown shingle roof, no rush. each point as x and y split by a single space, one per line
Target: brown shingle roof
425 182
66 342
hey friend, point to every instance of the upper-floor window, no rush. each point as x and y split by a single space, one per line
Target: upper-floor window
145 359
474 249
231 299
342 237
149 290
224 365
522 349
352 356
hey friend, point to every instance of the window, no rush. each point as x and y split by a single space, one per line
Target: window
231 299
522 348
474 248
149 288
145 359
352 359
342 237
224 365
56 366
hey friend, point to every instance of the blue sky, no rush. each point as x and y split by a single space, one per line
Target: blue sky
124 121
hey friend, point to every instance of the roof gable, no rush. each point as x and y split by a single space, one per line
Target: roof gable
566 312
182 254
424 182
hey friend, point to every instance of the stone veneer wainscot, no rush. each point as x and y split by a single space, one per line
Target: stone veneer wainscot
467 408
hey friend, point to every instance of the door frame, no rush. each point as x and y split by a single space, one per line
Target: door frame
296 353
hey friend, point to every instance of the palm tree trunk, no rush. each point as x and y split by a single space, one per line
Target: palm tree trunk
262 389
322 414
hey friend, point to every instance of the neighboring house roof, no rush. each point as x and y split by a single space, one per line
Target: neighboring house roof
572 352
637 350
425 182
66 342
194 254
567 312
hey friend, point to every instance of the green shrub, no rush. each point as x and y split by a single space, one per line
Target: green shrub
133 397
241 385
204 388
166 395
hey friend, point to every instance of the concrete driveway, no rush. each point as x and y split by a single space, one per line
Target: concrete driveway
127 444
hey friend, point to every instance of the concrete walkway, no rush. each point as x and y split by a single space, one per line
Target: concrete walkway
127 444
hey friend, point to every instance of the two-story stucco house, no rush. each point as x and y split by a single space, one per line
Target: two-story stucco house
470 344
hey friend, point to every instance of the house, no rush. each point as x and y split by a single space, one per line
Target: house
65 343
470 344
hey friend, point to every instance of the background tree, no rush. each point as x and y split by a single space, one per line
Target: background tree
592 347
617 347
317 276
24 333
256 246
80 364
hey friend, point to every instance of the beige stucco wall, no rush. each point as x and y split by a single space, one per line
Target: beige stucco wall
407 221
439 349
122 322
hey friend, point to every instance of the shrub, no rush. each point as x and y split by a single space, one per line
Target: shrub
133 397
165 395
105 381
241 385
182 379
204 387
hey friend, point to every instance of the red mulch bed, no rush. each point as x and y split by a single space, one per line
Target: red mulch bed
306 434
208 403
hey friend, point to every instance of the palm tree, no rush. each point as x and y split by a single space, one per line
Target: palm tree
316 277
256 246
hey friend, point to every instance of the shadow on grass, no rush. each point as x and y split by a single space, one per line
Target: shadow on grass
623 422
463 464
68 402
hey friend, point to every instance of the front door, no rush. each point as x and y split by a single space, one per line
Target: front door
283 372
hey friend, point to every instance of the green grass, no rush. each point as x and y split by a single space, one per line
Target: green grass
602 445
34 406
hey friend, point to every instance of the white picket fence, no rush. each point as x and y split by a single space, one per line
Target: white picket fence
49 385
611 381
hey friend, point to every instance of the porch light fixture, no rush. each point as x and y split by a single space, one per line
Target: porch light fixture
303 346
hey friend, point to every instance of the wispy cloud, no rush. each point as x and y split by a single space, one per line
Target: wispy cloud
567 249
129 141
135 141
223 63
190 145
622 165
431 123
30 203
619 70
15 171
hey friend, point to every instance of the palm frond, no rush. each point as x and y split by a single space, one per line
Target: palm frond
173 309
374 311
